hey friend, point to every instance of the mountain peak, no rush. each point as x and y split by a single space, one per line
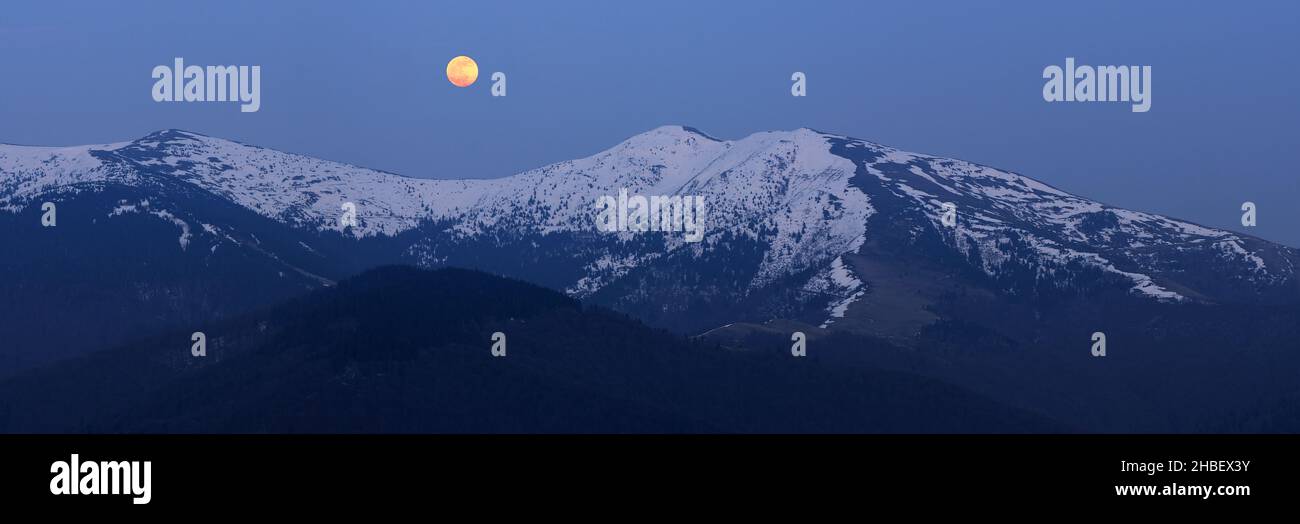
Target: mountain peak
164 135
696 131
813 131
675 131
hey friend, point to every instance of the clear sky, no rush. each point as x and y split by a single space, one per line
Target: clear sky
363 83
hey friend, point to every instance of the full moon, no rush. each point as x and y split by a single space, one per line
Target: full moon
462 71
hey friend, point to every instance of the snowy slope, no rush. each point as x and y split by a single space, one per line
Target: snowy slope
805 198
1009 220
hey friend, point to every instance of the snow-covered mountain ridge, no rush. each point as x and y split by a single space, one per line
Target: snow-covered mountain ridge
797 201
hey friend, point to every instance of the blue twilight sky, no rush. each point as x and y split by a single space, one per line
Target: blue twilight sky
363 82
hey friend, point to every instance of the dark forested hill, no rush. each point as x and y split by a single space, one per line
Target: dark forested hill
399 349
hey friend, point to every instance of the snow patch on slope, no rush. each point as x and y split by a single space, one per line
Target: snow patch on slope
837 280
143 207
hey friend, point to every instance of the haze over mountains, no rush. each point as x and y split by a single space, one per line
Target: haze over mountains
804 230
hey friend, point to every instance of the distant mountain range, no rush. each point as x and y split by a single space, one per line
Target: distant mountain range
841 238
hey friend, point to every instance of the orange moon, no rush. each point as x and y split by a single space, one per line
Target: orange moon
462 71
